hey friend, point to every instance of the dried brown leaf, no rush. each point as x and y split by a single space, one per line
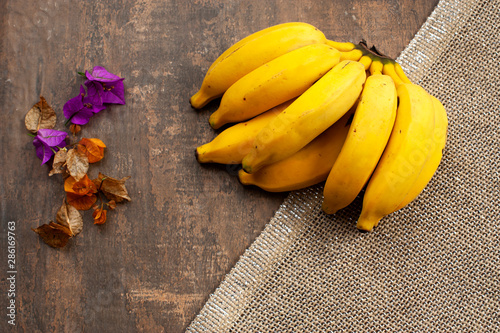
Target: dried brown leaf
54 234
113 189
59 164
70 217
41 115
77 164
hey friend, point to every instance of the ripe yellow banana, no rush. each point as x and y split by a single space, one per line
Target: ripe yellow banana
250 53
307 167
368 136
438 144
232 144
404 157
376 66
354 55
366 60
319 107
390 70
342 47
273 83
400 72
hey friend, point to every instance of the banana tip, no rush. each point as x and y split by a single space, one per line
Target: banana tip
196 101
213 124
365 226
246 168
215 121
192 103
327 210
197 155
242 177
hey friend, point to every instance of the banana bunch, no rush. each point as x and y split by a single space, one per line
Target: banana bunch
297 109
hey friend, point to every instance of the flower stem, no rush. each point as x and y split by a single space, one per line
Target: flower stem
69 119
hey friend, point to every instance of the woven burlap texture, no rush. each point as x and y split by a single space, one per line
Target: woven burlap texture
432 266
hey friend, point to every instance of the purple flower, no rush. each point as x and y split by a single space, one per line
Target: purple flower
80 108
108 86
47 142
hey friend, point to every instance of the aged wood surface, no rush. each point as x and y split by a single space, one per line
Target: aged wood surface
152 266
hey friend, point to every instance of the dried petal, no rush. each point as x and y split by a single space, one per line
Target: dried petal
114 93
111 204
99 216
93 100
82 187
77 164
76 110
91 149
69 216
75 129
113 189
55 235
52 138
58 165
41 115
81 202
100 74
98 142
108 86
43 151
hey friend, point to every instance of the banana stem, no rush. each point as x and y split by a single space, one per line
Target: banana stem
374 61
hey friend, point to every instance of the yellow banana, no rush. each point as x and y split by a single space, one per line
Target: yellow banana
401 73
389 69
342 47
319 107
232 144
273 83
353 55
307 167
438 144
404 157
370 130
250 53
366 60
376 66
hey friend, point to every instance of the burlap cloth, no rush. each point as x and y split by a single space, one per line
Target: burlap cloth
433 266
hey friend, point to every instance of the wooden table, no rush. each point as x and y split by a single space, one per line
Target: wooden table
154 263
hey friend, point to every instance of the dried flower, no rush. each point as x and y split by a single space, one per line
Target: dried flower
99 216
75 129
47 142
80 108
108 86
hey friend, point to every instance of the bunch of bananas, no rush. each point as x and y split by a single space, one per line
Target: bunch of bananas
299 109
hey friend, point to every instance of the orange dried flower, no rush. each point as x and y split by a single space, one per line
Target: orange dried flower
99 216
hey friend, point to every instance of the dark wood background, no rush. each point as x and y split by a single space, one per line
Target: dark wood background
153 265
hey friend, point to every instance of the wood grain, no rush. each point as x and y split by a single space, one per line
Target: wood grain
152 266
